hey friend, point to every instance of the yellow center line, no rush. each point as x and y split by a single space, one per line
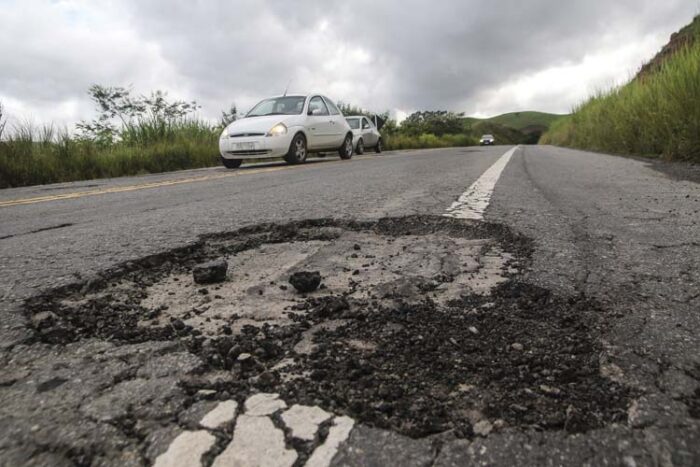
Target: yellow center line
145 186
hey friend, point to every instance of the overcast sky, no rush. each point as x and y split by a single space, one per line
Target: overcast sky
474 56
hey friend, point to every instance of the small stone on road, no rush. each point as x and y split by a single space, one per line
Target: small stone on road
483 428
305 281
210 272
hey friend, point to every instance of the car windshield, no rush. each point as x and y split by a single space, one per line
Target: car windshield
354 123
287 105
487 137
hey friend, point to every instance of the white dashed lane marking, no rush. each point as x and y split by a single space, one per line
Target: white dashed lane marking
187 449
256 441
263 404
339 432
473 202
304 420
223 414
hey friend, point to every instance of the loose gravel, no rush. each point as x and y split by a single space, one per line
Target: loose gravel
420 325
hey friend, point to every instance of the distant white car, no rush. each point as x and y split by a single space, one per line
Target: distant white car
487 140
365 134
289 127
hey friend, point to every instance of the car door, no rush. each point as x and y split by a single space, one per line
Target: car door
319 124
339 125
368 135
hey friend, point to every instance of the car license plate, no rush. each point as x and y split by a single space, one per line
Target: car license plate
243 146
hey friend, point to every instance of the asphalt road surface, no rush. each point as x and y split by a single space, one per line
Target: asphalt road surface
586 257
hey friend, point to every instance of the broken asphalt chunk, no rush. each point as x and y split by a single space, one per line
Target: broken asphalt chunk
210 272
305 281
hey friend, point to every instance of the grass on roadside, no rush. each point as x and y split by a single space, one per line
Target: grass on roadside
656 114
40 155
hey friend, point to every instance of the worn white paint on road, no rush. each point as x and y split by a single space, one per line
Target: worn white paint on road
264 404
473 202
187 449
223 414
256 440
304 420
256 443
339 432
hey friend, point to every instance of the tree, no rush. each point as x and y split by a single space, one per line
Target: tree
117 104
350 109
436 122
230 116
3 121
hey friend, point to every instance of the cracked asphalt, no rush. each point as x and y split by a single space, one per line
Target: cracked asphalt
618 231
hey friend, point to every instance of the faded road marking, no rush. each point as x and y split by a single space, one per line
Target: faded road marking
473 202
256 442
303 420
223 414
337 435
187 449
127 188
256 439
172 182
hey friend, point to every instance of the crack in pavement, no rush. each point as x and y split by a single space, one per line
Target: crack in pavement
43 229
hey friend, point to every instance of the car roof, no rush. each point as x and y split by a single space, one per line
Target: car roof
299 95
287 95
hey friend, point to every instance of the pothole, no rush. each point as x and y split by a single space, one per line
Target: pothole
421 325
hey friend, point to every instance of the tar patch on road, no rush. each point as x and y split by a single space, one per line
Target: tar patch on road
421 325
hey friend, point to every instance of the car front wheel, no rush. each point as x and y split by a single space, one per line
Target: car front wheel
346 149
231 163
297 150
360 147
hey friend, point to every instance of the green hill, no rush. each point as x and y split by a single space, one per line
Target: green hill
523 120
656 113
514 127
503 134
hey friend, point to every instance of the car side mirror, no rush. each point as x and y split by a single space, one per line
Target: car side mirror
315 112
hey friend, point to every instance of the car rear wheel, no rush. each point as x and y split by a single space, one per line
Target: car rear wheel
346 149
360 147
297 150
231 163
379 147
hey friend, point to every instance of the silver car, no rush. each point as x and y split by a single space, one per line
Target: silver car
365 134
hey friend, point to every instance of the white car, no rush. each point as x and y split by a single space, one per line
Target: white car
289 127
487 140
365 134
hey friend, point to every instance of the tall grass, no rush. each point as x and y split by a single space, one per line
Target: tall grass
657 114
32 155
404 141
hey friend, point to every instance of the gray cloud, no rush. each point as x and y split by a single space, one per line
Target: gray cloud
394 54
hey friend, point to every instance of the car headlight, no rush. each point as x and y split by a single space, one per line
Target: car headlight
278 130
224 134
